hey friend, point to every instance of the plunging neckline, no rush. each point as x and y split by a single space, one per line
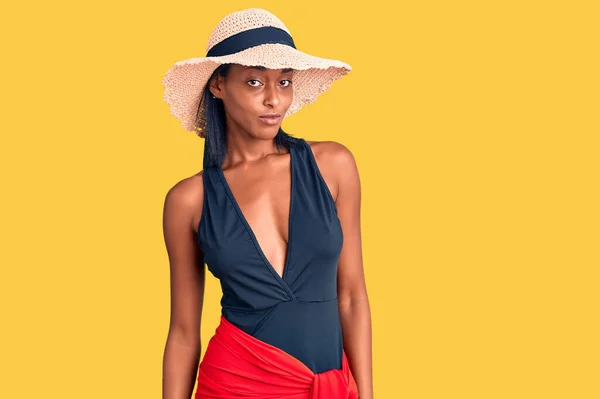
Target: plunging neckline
279 277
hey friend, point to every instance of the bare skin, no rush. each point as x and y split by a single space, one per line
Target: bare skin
252 164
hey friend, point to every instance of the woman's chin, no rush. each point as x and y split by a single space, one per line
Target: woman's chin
266 132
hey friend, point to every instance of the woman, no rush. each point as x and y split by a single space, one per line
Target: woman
275 218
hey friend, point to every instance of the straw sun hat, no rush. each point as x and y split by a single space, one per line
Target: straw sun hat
251 37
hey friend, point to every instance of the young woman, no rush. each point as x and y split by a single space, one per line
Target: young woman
275 218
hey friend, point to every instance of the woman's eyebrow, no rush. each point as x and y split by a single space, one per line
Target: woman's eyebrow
262 68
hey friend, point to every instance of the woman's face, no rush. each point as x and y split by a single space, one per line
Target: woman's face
249 93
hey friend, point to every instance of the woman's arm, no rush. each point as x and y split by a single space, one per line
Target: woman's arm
186 263
354 307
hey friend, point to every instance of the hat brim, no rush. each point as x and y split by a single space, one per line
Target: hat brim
184 82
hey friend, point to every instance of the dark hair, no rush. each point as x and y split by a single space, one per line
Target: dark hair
215 148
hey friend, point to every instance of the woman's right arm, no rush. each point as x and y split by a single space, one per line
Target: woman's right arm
186 264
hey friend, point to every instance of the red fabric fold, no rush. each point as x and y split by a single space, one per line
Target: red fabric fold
238 365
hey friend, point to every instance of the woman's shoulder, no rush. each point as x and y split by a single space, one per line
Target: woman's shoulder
333 159
331 153
185 198
187 189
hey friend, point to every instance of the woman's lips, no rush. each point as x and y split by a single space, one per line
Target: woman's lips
271 120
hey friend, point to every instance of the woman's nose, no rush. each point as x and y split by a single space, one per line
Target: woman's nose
271 95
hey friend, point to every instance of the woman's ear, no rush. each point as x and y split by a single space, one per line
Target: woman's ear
215 86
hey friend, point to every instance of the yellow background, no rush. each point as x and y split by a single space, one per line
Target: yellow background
475 127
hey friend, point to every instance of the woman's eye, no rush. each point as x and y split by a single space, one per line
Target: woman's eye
252 82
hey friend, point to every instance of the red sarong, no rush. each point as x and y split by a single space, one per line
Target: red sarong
238 365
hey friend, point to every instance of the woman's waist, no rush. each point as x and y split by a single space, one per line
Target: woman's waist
309 331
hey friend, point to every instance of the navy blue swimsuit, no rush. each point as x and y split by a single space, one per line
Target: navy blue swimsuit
298 312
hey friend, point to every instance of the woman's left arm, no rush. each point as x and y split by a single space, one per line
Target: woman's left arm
353 304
